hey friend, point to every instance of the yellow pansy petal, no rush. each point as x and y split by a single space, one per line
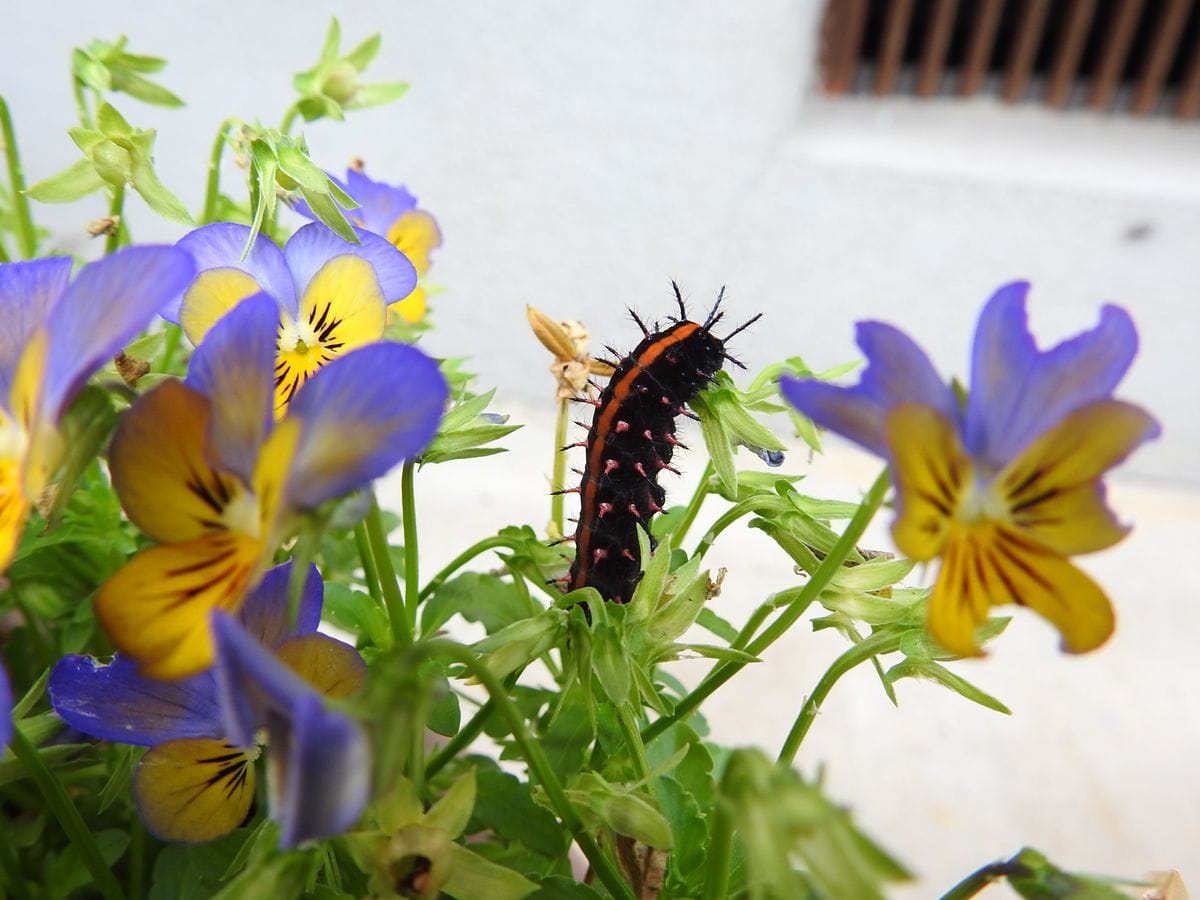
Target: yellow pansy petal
271 474
1052 491
26 390
415 234
160 467
931 470
333 668
959 603
412 308
155 608
1055 589
13 507
194 790
342 308
213 293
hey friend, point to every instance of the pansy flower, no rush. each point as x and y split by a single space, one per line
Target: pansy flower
203 468
392 212
56 333
332 295
196 782
1004 490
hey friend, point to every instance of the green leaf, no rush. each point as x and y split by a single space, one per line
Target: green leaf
66 873
156 195
293 162
568 736
611 663
472 876
622 810
377 94
493 602
718 626
89 70
360 57
505 805
112 123
358 613
327 211
452 811
145 90
77 180
183 872
925 668
559 887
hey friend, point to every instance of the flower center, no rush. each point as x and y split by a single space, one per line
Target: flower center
980 502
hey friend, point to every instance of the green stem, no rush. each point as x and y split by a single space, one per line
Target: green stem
370 573
67 814
213 190
633 741
731 515
884 641
557 480
16 181
4 257
477 549
288 118
408 521
820 579
720 854
539 765
115 206
388 582
137 859
693 507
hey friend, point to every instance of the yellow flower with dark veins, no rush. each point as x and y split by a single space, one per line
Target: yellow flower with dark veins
332 295
203 468
391 211
1004 490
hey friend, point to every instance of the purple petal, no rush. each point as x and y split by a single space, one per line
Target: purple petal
265 612
390 397
103 309
28 291
220 245
234 367
321 765
314 245
381 204
1018 392
319 758
253 686
115 703
6 705
897 372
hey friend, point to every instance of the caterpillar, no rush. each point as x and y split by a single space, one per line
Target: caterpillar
632 439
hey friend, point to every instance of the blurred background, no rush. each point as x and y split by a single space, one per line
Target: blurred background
826 163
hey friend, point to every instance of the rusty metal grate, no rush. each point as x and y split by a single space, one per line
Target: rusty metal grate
1136 56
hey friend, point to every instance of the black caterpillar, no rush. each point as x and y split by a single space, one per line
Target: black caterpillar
632 439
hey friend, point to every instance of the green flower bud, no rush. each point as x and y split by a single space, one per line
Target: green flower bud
113 163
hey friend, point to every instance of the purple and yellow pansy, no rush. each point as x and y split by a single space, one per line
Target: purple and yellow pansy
391 212
196 781
1004 489
331 295
203 467
57 332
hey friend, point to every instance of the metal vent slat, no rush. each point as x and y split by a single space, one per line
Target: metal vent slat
1024 51
980 46
1162 51
935 47
1070 52
1110 55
